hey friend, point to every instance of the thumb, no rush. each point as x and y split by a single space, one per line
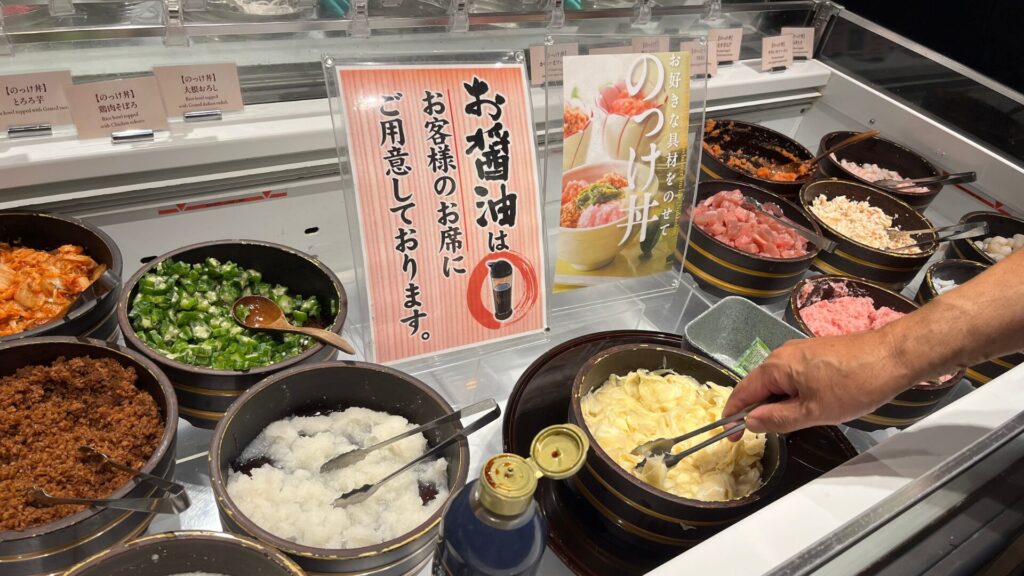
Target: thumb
785 416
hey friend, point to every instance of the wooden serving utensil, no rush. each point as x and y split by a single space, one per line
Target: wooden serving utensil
805 166
262 313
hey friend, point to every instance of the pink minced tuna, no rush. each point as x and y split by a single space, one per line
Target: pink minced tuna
600 214
723 217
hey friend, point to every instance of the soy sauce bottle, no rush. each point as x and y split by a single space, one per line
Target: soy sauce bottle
493 526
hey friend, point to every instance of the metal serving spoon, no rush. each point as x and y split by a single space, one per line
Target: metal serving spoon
262 313
174 500
957 178
805 166
360 494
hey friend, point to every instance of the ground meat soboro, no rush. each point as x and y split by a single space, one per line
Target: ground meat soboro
47 412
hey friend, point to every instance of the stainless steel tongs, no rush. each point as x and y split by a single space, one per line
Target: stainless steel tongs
818 240
662 446
956 232
366 490
174 500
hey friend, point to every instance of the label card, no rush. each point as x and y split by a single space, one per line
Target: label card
444 168
728 41
609 50
37 98
538 65
698 57
650 44
199 87
803 42
102 108
776 53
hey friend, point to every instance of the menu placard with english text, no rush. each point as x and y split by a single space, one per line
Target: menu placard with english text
36 98
776 53
101 108
727 42
803 41
539 73
701 58
199 87
444 166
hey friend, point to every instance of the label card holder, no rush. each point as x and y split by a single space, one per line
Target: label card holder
727 44
32 104
776 53
200 92
803 42
127 108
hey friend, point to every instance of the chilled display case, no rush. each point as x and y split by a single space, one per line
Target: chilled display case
862 501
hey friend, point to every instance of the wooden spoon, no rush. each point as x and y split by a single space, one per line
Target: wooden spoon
262 313
805 166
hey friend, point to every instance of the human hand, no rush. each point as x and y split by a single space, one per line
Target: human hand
826 380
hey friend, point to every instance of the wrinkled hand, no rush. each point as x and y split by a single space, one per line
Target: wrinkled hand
826 380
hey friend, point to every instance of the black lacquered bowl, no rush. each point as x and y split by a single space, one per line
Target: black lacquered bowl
726 271
49 231
53 547
851 258
998 225
170 553
204 394
909 406
642 514
327 387
886 154
961 271
732 136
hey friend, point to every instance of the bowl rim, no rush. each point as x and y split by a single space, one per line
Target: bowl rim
932 189
226 505
124 304
272 554
929 275
757 127
116 258
795 293
767 485
811 254
167 438
583 107
805 202
977 214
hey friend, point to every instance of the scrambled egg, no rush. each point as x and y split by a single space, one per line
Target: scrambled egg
627 411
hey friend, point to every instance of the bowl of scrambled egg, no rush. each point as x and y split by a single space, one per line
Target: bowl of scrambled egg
628 395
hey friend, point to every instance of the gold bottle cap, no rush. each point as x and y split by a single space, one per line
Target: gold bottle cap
508 481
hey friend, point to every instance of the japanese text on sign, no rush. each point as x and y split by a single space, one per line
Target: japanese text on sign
102 108
200 87
453 158
36 98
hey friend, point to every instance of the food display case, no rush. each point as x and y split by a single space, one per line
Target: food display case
857 498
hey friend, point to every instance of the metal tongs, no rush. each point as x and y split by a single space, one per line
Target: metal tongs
955 232
957 178
366 490
820 241
174 500
662 446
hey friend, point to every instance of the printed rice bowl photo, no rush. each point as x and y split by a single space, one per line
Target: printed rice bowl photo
577 129
593 219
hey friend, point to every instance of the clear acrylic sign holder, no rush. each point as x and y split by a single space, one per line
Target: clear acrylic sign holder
456 374
664 295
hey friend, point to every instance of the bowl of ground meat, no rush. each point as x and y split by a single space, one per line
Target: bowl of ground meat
56 395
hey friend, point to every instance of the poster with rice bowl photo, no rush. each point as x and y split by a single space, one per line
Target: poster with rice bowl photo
625 124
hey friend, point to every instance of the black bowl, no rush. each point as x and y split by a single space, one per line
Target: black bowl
959 271
50 231
327 387
733 136
851 258
884 153
723 270
188 551
998 225
909 406
642 514
55 546
204 394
